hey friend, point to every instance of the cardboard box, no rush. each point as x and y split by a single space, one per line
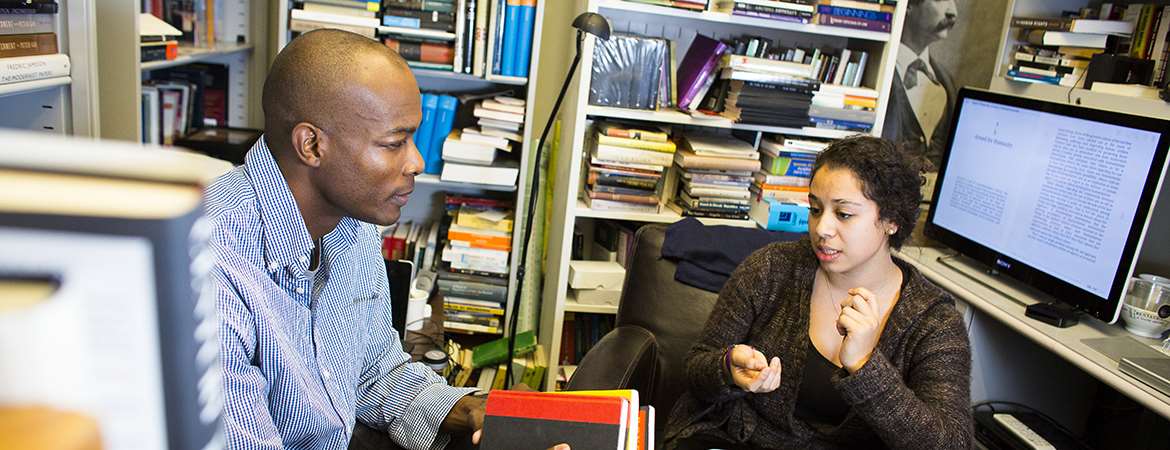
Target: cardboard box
596 275
597 296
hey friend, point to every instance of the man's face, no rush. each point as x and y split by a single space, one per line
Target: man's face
929 21
369 168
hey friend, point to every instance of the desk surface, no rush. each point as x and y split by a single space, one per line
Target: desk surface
1065 342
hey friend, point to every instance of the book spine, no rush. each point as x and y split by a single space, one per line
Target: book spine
499 10
468 36
474 291
422 51
13 45
853 22
421 5
511 29
772 16
748 7
527 20
621 181
838 11
34 8
26 24
481 31
642 199
28 68
1043 23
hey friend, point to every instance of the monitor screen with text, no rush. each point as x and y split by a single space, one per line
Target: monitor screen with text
1057 192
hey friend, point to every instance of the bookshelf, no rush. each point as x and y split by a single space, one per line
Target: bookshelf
549 60
1054 93
679 26
122 72
64 104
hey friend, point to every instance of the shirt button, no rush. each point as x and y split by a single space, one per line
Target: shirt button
300 290
303 258
273 266
325 373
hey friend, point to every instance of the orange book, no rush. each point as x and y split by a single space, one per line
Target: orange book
476 238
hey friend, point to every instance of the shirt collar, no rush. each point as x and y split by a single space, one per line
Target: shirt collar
286 238
906 56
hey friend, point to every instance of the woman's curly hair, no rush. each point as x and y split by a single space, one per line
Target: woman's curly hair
889 176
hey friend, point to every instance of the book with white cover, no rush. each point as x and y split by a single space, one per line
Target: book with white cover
475 136
496 105
501 173
455 149
485 113
721 146
487 122
29 68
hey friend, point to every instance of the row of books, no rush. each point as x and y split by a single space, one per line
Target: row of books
28 42
1058 50
872 15
580 332
465 36
177 101
612 419
626 166
780 189
483 365
469 155
203 23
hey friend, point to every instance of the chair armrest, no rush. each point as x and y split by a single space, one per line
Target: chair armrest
626 358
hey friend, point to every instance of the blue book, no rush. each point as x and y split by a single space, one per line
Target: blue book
511 29
524 39
401 22
855 12
422 136
444 119
498 43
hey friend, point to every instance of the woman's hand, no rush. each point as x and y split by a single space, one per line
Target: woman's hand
860 322
751 372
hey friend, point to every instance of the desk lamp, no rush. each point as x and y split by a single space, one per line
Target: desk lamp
586 24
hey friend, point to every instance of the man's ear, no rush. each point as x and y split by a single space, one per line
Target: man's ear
307 141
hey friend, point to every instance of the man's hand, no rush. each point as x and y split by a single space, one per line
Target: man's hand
751 371
465 417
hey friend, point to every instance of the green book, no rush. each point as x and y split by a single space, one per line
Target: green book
495 352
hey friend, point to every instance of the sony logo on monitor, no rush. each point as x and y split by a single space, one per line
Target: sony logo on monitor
1002 263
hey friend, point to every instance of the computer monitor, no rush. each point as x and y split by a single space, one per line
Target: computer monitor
1054 195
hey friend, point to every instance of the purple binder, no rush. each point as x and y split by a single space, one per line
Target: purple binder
697 66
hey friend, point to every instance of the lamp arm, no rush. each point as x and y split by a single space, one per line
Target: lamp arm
521 268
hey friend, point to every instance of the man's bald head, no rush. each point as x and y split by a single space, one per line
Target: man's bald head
309 79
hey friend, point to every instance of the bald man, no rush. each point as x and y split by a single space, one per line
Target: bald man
305 338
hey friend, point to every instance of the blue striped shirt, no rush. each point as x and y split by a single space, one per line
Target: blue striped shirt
306 354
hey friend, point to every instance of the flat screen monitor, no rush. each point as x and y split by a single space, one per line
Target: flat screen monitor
1054 195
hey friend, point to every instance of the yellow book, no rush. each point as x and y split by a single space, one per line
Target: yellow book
498 383
629 394
483 218
665 147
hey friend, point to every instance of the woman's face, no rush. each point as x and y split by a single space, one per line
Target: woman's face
843 224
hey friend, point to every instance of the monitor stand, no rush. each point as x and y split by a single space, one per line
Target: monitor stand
1042 307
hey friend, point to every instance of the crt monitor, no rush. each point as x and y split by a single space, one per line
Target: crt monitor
1054 195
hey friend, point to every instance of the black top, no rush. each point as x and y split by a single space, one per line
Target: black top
818 401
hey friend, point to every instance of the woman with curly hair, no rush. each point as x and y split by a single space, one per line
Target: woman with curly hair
830 342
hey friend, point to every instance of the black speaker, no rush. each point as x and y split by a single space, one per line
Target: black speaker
1112 68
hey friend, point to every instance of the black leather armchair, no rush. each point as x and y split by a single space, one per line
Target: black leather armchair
658 321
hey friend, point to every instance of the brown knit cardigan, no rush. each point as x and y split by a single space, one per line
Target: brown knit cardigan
913 393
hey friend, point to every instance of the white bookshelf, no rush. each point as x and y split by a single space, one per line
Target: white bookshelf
546 70
65 104
122 71
1076 96
679 26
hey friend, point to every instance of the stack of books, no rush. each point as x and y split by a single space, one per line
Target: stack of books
472 156
474 279
785 169
420 31
438 118
581 419
765 91
797 11
870 15
1058 50
843 108
28 42
356 16
626 166
715 173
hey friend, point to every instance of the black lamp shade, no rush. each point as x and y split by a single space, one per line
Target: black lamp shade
594 24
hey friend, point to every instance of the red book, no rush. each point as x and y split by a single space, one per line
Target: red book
538 420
